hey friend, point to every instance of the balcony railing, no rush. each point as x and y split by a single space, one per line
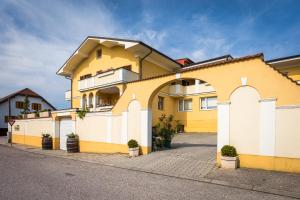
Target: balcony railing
68 95
108 78
180 90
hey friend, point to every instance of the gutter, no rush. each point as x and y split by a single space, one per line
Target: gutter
141 63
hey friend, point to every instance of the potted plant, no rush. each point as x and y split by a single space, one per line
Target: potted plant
32 115
165 130
133 148
229 157
47 142
72 143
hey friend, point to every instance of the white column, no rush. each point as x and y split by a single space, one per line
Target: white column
146 128
109 129
94 102
197 86
124 137
81 102
267 127
223 124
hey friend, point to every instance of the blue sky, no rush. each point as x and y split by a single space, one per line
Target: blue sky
36 37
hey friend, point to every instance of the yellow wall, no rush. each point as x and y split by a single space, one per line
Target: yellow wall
114 58
196 120
268 162
150 70
292 72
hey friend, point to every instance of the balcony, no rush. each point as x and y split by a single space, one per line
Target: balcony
180 90
68 95
108 78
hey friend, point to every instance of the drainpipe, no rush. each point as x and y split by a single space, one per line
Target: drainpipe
70 78
141 63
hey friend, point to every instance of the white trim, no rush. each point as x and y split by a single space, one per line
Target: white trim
267 128
267 99
178 75
223 125
124 136
288 107
244 81
284 60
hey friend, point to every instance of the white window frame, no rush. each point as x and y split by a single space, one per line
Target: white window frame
206 108
183 100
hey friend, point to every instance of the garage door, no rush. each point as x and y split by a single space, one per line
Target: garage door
65 128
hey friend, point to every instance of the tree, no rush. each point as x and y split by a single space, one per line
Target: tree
26 105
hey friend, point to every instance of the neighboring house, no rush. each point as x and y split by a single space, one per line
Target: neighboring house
12 105
250 103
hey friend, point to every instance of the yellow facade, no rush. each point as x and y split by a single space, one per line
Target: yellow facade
34 141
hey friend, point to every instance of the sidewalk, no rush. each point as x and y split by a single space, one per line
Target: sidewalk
284 184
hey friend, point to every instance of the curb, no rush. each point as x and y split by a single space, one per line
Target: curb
248 187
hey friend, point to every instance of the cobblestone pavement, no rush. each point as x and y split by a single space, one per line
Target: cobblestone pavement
192 156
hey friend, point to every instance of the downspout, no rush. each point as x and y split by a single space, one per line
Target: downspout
71 90
141 64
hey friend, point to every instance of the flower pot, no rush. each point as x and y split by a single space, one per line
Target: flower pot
31 115
73 145
134 152
229 162
24 116
47 143
45 114
167 144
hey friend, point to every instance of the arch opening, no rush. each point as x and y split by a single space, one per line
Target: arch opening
193 104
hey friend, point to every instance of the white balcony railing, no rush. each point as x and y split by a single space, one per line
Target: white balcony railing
68 95
181 90
108 78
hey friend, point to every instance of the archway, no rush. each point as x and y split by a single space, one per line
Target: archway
193 103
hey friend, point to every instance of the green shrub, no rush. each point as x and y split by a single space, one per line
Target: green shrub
228 151
81 113
132 144
72 135
46 135
165 130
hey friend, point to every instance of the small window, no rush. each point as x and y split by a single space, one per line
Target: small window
99 53
36 106
160 105
185 105
208 103
19 104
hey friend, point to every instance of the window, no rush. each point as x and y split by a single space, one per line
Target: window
160 105
19 104
36 106
208 103
99 53
185 105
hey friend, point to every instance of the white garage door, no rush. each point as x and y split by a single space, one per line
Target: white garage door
65 128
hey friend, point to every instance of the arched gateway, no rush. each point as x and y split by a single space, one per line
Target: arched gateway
228 79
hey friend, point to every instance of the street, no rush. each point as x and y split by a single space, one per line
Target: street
26 175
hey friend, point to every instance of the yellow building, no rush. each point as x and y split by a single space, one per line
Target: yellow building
249 103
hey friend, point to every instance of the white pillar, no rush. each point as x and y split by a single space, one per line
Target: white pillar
124 137
197 86
146 128
267 127
223 124
94 102
81 102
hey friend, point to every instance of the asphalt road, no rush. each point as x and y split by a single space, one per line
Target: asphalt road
31 176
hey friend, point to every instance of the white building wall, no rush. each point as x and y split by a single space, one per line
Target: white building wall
15 111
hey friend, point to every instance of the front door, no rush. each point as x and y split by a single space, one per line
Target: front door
65 128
